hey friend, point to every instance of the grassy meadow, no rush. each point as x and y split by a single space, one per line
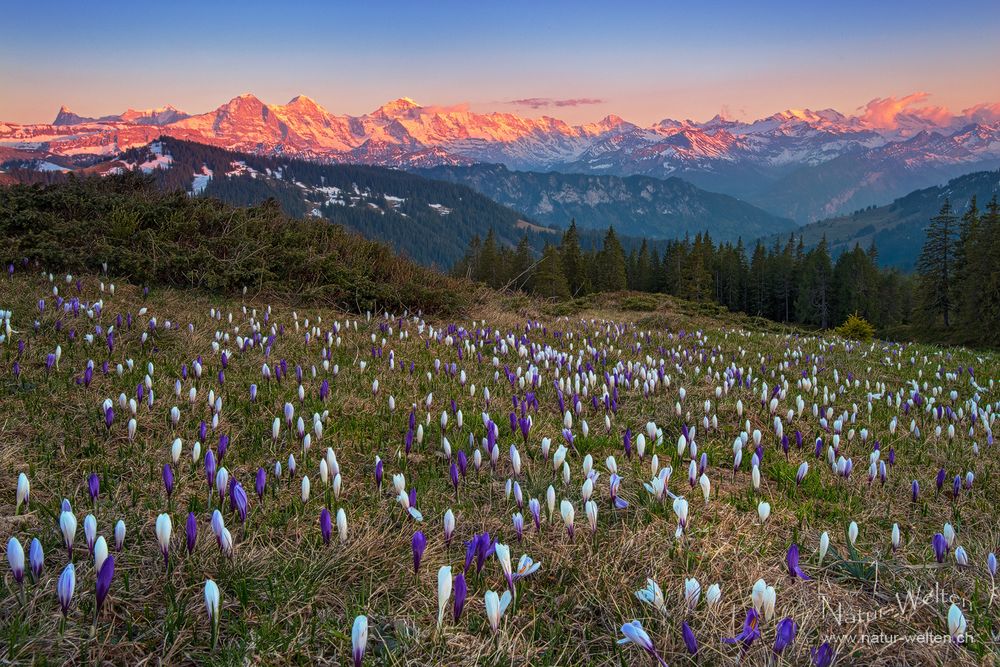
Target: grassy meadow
287 597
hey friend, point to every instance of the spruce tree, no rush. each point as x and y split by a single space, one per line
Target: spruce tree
936 266
573 262
548 280
611 264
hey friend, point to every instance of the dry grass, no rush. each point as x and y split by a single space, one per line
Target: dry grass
289 599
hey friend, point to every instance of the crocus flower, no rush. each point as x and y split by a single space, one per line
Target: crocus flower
104 578
359 639
956 624
168 479
212 600
163 529
461 591
260 483
802 472
792 561
689 639
191 530
692 592
325 525
90 531
342 525
652 595
100 553
502 552
67 525
713 595
239 498
23 491
93 486
991 565
940 546
495 607
785 634
568 513
418 544
750 632
65 586
36 559
15 557
444 591
449 526
634 634
961 557
119 535
822 656
824 545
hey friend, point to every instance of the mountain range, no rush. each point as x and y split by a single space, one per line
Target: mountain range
800 164
636 205
898 229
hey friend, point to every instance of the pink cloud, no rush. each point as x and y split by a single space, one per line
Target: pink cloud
541 102
982 113
885 112
461 107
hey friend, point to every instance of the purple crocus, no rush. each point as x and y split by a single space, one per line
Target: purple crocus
822 656
260 483
914 490
192 532
940 545
94 486
785 634
210 468
104 578
940 479
956 487
168 479
325 525
418 544
461 590
36 559
792 560
379 471
239 497
750 632
689 639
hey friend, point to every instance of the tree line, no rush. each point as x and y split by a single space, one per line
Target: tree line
783 282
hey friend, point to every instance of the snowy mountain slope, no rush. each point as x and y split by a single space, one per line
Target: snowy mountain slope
798 163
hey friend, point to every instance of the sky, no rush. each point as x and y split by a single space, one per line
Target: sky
578 61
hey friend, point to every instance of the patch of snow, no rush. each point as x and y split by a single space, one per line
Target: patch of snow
440 208
201 180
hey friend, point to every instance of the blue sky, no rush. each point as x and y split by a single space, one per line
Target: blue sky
642 60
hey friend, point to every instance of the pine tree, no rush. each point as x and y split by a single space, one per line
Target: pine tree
936 266
549 280
813 305
611 264
573 262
